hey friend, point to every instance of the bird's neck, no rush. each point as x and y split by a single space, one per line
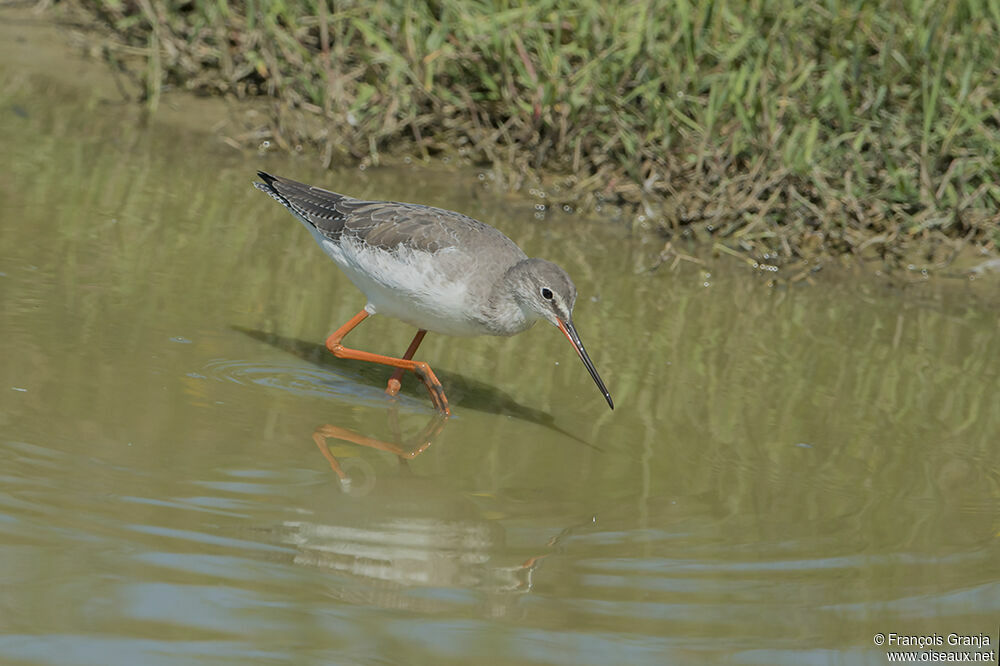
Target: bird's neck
505 314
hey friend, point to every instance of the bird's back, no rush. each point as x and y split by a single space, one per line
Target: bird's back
410 260
387 224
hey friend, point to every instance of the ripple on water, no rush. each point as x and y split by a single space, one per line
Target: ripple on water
286 376
769 598
298 379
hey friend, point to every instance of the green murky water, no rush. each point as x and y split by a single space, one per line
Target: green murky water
788 472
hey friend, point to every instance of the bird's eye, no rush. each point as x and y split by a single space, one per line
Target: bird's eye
546 293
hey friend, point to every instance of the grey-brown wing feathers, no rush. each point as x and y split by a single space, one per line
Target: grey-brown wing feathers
384 224
314 206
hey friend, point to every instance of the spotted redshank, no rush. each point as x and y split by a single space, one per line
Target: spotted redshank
436 269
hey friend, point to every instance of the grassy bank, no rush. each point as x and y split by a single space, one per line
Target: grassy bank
778 129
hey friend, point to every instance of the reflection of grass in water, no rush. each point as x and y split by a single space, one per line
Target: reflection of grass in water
890 394
780 127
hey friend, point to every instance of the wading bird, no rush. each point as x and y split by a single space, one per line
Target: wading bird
435 269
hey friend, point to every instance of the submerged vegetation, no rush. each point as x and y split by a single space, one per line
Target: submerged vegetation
781 130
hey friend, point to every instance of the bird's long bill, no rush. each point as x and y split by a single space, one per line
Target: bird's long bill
570 332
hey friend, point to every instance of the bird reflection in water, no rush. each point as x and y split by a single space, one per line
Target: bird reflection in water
408 533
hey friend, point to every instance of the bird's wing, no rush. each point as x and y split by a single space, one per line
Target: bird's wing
383 224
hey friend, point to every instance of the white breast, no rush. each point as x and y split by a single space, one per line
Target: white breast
407 284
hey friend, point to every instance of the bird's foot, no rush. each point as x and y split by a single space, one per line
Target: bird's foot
434 387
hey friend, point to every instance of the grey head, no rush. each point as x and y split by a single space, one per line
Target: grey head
546 290
543 289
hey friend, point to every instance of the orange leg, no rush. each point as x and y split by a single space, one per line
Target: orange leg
392 388
419 368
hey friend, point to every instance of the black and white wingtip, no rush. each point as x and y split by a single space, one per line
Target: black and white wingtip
268 187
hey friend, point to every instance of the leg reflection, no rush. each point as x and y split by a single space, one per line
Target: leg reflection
408 451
